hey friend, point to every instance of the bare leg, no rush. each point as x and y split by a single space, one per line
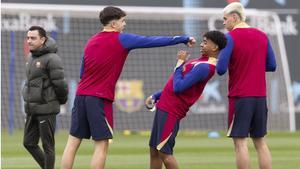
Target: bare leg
99 156
241 153
69 152
155 161
263 153
168 160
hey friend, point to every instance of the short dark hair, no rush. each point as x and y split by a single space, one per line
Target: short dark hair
110 13
41 31
217 37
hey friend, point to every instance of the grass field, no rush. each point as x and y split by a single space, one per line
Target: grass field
193 151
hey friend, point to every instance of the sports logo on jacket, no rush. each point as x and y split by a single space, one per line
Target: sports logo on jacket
129 95
38 64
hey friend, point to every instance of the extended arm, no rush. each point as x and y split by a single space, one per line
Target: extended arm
224 56
156 96
151 100
132 41
271 61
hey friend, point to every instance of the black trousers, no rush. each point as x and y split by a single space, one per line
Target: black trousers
36 128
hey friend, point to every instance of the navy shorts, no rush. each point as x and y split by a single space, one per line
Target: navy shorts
247 117
164 132
92 116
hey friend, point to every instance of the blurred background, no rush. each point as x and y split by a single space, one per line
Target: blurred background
71 23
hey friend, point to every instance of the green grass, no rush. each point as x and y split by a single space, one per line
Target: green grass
193 150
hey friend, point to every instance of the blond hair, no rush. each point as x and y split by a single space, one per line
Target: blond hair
235 7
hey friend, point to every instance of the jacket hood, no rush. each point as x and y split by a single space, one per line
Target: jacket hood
50 46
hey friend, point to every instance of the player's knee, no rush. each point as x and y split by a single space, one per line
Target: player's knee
49 148
166 158
28 145
259 143
49 152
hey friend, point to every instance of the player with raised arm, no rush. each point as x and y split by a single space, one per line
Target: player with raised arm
248 55
104 57
182 90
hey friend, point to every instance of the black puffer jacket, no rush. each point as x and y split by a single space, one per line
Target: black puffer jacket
45 88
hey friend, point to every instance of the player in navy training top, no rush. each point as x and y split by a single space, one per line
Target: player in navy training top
247 56
182 90
104 57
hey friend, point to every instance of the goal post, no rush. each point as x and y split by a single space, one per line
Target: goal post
145 71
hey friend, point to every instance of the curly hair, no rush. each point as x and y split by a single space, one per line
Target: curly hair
217 37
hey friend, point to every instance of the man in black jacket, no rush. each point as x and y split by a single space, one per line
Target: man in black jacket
44 90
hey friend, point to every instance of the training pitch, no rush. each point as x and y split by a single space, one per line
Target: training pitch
193 150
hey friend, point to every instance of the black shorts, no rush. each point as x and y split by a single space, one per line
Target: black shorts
92 116
247 117
164 132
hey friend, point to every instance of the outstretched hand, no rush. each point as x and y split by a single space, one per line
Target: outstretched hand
191 42
183 55
150 103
